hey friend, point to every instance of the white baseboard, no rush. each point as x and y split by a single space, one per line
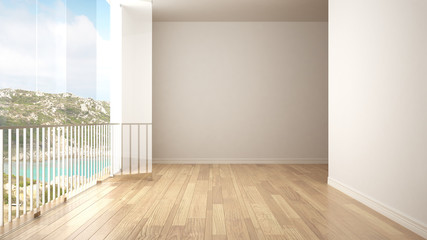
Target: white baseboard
389 212
240 161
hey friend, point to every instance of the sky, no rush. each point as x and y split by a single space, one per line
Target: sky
55 46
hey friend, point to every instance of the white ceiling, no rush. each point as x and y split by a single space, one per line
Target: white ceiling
240 10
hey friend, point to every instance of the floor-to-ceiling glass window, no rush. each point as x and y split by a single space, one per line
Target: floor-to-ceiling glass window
54 62
54 70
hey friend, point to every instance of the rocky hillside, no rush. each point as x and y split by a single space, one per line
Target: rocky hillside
21 107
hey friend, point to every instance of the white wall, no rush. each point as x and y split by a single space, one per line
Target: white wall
137 63
240 91
131 85
137 84
378 105
116 62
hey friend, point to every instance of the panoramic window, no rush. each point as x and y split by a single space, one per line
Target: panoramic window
54 70
54 63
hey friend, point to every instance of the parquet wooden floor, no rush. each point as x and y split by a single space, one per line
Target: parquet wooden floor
214 202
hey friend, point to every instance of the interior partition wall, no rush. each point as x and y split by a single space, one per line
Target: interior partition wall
131 89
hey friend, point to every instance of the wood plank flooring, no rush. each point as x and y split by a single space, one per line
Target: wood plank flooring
214 202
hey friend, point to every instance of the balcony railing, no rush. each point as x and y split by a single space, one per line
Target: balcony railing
41 164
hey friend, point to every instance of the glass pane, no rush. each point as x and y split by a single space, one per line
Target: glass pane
17 59
104 64
51 46
81 48
49 49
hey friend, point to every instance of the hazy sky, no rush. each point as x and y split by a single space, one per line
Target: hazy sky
55 46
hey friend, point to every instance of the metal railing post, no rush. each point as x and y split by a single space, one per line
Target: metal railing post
9 142
31 170
1 180
17 157
24 160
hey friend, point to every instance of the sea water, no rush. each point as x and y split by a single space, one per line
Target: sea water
87 168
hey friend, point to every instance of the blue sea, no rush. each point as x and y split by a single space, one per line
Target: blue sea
58 167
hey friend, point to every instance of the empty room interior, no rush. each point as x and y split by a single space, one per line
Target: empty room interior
225 119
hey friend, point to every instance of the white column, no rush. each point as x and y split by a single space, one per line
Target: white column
131 87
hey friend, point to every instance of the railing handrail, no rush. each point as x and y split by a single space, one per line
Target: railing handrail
72 125
77 156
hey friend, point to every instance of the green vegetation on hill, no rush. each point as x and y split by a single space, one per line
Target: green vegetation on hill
24 108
